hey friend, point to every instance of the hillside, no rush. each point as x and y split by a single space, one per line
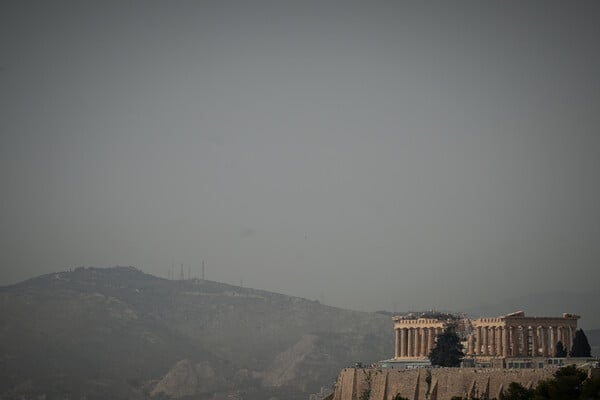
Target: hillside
120 333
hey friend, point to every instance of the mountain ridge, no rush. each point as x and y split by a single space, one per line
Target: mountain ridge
119 332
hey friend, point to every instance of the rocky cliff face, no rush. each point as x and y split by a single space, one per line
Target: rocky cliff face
433 383
121 333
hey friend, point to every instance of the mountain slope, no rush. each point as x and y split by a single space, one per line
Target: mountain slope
116 332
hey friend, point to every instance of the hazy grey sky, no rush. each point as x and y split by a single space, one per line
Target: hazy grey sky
416 154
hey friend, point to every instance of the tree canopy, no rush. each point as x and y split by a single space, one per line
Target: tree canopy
568 383
581 347
448 350
516 391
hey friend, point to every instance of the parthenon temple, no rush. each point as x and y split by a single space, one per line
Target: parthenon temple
512 335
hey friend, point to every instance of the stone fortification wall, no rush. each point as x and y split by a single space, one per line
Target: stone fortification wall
445 382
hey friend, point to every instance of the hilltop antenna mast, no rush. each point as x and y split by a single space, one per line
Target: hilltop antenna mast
202 269
189 272
181 275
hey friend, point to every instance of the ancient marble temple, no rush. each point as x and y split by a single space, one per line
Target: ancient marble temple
512 335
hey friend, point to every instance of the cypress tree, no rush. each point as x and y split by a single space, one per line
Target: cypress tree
581 347
448 350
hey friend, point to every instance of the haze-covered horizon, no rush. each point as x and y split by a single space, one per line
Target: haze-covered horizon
372 155
546 304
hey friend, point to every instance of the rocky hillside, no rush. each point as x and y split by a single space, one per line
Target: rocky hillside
120 333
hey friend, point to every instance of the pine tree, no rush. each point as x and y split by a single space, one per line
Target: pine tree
581 347
448 350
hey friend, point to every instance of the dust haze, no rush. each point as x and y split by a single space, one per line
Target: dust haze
372 155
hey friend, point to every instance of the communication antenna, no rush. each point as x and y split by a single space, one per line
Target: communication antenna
172 270
190 272
181 275
202 269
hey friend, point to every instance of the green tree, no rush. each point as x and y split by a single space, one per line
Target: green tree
542 390
581 347
566 385
516 391
398 397
591 389
448 350
560 350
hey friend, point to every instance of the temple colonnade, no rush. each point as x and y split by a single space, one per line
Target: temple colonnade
497 337
512 335
417 337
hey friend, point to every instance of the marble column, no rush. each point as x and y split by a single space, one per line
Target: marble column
424 333
499 341
544 340
525 341
514 336
504 341
509 335
552 341
485 332
508 342
470 344
493 340
534 341
430 337
417 342
518 330
560 335
410 343
478 340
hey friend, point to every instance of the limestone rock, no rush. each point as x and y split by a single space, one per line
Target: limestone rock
284 368
186 379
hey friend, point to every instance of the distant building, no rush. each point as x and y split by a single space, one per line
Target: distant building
485 340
